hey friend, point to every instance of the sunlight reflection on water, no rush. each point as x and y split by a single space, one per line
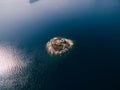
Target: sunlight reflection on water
12 66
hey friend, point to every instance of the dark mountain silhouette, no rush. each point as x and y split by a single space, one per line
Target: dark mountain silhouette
32 1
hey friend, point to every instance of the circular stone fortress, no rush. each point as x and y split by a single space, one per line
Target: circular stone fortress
59 45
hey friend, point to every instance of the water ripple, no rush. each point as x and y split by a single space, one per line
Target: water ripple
12 67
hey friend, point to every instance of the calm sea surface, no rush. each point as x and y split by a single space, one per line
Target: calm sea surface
25 28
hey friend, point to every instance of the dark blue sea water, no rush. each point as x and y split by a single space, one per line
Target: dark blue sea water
25 28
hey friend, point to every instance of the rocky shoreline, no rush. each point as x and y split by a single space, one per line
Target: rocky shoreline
59 45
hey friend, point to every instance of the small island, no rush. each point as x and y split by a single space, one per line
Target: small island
59 45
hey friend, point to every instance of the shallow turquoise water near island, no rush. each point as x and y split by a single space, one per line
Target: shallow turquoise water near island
92 64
